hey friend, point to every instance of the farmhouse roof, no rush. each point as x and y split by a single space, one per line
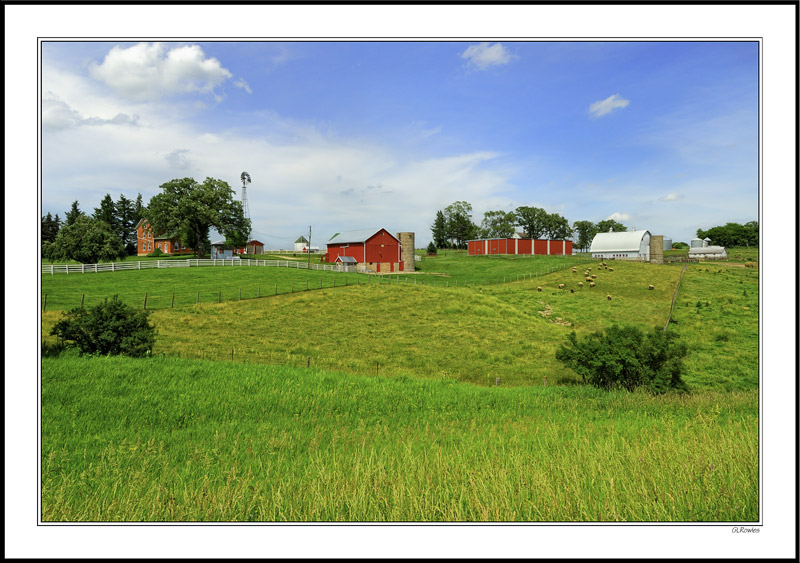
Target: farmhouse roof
361 235
346 260
625 241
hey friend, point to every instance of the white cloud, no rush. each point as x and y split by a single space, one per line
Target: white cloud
149 71
178 159
243 85
619 217
604 107
58 115
484 55
674 196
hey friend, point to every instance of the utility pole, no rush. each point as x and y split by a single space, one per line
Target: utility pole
309 247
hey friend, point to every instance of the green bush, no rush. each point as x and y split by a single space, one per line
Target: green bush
679 245
431 248
107 328
156 252
628 358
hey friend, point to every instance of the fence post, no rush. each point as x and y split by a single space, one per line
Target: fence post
306 285
82 296
51 269
115 297
145 301
197 299
219 296
83 268
44 307
292 287
112 266
140 265
276 289
259 291
240 294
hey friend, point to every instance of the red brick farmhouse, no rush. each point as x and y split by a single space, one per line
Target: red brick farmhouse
147 242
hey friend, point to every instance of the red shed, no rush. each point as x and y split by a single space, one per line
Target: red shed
519 246
376 250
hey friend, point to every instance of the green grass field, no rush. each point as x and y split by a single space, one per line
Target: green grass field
186 440
191 435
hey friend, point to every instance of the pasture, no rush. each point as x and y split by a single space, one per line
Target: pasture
166 439
398 417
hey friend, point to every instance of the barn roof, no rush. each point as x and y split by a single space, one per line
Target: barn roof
360 235
346 260
626 241
301 240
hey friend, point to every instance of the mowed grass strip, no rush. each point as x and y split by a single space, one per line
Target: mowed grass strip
214 283
166 439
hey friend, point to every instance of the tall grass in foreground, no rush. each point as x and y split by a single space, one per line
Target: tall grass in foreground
185 440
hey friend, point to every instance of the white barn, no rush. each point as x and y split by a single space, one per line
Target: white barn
627 245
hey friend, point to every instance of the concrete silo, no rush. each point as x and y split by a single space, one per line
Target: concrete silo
407 250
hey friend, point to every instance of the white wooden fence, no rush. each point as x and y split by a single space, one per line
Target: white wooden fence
189 262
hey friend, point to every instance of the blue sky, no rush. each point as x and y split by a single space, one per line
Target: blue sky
349 135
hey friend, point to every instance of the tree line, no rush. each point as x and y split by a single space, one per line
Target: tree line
453 226
185 209
732 234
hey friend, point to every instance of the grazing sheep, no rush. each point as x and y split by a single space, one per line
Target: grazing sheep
588 279
649 287
594 277
580 284
561 286
571 290
539 288
591 284
611 269
609 297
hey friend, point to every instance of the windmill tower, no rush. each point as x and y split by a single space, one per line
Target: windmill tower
245 177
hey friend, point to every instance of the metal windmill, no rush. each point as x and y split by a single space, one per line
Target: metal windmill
245 177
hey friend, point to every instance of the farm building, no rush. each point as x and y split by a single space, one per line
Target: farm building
220 250
374 250
705 251
627 245
147 242
515 245
252 247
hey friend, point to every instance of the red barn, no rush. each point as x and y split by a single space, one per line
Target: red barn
518 246
375 250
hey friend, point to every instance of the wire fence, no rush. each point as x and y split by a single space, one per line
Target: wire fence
171 300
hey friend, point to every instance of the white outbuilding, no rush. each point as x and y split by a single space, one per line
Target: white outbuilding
626 245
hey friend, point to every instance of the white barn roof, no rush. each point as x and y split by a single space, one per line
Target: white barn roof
627 241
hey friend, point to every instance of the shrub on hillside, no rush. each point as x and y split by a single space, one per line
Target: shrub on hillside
431 248
156 252
625 357
107 328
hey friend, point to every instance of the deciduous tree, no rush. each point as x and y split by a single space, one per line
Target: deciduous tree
189 209
610 225
586 231
498 224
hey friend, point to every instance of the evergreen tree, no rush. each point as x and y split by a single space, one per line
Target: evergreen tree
460 227
139 210
86 240
439 230
125 223
72 214
107 212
